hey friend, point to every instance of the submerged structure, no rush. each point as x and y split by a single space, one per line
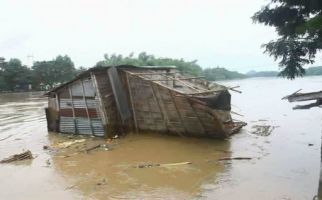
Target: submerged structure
105 101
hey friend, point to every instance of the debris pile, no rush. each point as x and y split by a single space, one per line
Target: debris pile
17 157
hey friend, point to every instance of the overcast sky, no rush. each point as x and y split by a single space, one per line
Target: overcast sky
215 32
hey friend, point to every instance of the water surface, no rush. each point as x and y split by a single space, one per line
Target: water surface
285 163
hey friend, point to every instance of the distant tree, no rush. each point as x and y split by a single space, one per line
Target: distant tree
54 72
144 59
299 25
218 73
14 75
80 70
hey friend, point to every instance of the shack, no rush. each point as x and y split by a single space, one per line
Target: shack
110 100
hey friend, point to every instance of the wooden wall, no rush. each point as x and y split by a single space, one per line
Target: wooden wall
157 108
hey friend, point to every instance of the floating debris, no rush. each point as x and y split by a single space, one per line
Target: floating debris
262 130
162 165
17 157
6 137
69 143
234 158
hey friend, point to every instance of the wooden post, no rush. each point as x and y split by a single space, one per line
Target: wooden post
132 103
87 112
178 112
57 101
73 109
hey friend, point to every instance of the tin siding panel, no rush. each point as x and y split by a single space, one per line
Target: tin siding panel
97 127
83 126
67 125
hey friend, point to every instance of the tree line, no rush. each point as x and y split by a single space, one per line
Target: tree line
183 66
44 75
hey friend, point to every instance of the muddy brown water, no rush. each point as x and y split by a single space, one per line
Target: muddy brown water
285 164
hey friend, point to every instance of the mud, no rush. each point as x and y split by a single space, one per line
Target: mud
282 165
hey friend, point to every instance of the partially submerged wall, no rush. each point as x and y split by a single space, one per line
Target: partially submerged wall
78 109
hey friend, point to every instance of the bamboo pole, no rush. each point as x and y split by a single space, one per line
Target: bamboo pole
183 93
132 103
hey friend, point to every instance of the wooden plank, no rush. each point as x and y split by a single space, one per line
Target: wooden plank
132 103
153 73
86 107
178 112
160 108
175 90
191 78
198 117
73 109
304 96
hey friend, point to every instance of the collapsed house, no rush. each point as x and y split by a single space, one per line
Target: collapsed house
105 101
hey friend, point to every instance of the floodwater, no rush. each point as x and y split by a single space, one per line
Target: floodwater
285 164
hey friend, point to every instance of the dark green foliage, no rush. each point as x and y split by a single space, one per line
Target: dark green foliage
311 71
314 71
299 25
144 59
262 74
186 67
214 74
80 70
51 73
14 76
43 74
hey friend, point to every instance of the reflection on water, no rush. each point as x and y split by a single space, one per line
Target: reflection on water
285 164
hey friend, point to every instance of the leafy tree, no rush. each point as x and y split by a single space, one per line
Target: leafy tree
214 74
14 75
80 70
144 59
54 72
299 25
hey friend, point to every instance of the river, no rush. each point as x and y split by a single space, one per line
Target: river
285 164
